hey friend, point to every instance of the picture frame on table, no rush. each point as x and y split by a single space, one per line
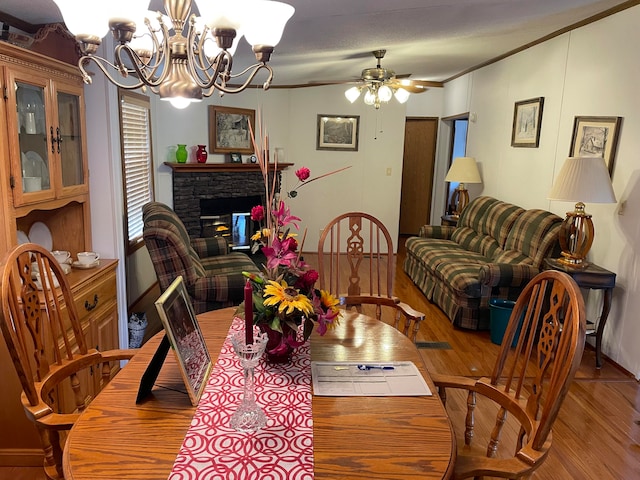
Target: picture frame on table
229 129
596 137
527 123
185 337
338 132
235 157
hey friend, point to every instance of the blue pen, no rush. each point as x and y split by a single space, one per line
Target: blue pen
381 367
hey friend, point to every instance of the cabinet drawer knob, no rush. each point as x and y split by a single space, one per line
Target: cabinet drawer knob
90 306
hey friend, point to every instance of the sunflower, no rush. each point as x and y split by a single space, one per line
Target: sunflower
286 298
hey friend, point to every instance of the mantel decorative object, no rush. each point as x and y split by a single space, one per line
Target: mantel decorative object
175 54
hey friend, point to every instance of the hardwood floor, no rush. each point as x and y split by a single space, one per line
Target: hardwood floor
597 434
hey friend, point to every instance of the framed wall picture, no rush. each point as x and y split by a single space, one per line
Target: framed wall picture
527 121
338 132
182 330
596 137
229 129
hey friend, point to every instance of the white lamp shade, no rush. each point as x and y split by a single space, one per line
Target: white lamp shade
385 93
79 21
223 14
583 179
267 21
369 97
402 95
463 170
352 94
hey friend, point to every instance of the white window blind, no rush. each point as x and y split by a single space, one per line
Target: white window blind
135 130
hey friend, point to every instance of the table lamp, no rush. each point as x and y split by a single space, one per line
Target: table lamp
463 170
581 179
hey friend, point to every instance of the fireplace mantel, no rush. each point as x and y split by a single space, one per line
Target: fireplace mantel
221 167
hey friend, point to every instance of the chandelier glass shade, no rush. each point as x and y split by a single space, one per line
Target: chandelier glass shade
176 54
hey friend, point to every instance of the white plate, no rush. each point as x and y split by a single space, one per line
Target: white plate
22 238
34 166
39 233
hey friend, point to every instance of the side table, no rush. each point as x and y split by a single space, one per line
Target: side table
592 277
451 220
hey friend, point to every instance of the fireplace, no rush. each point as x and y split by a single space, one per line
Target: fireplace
208 196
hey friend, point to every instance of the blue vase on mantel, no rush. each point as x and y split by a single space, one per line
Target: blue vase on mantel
181 153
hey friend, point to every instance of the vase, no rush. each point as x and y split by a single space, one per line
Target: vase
201 154
181 153
276 351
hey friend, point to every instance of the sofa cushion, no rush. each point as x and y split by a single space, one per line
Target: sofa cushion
534 234
487 231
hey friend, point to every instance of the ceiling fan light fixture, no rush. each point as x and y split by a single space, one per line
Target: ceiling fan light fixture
401 95
353 93
385 93
370 97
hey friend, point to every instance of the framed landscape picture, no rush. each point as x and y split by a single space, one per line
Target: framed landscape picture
229 129
184 335
338 132
527 119
596 137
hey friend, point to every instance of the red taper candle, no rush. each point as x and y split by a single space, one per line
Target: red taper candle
248 312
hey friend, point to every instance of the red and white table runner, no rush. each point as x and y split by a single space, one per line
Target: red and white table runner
283 450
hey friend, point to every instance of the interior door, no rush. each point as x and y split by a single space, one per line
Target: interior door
417 173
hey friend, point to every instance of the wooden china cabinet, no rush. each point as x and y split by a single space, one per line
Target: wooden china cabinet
44 181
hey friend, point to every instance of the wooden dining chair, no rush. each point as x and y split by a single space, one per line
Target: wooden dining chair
59 373
356 262
528 384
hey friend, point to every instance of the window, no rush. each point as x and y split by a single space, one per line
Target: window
137 163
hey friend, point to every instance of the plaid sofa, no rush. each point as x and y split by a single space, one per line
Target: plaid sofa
493 252
211 273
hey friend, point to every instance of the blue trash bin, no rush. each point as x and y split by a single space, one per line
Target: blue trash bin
499 314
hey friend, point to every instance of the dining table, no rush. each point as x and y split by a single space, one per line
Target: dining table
354 437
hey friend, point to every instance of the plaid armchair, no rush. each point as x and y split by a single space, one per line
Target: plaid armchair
212 274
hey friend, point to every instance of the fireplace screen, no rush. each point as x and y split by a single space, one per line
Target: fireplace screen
229 218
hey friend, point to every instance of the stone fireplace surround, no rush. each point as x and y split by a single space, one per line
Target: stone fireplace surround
209 181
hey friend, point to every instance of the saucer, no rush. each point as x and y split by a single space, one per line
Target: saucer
84 266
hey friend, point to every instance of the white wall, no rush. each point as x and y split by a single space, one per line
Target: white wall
592 71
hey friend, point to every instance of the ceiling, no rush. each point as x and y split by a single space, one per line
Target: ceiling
329 41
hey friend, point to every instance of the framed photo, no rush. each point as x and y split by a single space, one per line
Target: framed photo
596 137
527 120
338 132
184 335
235 157
229 129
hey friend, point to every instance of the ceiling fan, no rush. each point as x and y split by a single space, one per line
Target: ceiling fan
380 84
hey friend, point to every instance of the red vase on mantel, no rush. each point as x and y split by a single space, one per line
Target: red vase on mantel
201 154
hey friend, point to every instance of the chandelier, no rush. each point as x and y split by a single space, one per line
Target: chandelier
179 56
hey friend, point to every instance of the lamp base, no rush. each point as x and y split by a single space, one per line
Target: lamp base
459 200
576 236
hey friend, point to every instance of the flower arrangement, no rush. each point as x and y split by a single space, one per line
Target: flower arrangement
284 293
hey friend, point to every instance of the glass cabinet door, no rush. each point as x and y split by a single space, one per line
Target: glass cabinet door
69 139
32 137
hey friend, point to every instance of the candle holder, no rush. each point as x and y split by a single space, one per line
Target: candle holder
248 417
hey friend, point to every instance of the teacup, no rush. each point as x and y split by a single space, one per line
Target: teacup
88 258
61 256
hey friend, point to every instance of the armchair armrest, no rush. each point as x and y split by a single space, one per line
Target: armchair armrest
507 274
210 247
219 288
442 232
